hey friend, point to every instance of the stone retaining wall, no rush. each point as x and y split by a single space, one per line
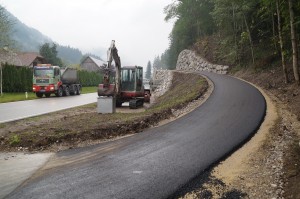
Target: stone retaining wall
189 61
162 80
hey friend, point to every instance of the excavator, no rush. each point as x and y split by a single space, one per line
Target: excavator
125 84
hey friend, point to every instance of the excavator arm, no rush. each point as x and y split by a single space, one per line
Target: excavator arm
106 89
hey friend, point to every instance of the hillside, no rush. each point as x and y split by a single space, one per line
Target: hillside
30 39
26 38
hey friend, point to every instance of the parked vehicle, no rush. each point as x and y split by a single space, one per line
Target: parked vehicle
147 90
48 79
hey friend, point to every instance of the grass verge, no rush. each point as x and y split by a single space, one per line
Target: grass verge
91 89
13 97
69 130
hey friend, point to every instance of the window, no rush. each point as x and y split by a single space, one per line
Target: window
127 79
139 80
43 72
56 72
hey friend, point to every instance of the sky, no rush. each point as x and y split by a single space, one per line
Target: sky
137 26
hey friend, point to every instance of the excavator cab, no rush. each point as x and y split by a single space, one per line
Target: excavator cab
131 79
132 89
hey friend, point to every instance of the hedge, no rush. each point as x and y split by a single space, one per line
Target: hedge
89 78
19 79
16 79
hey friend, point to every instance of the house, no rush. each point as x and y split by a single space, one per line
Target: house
23 59
30 59
92 64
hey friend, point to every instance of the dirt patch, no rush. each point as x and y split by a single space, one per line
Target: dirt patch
83 126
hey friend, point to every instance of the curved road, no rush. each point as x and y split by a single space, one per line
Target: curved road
157 162
19 110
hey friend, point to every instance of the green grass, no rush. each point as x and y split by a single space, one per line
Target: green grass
14 140
2 126
184 91
12 97
91 89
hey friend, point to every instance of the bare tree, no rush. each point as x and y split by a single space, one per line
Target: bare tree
281 42
250 39
294 41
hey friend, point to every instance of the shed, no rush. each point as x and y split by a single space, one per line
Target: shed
92 64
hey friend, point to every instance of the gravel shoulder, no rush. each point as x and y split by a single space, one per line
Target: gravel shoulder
268 165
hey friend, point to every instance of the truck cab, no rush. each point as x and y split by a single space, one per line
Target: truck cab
45 79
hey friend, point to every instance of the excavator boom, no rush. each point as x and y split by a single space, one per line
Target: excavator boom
108 89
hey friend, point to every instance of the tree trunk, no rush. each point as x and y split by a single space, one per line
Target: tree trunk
237 57
250 39
273 27
281 43
294 42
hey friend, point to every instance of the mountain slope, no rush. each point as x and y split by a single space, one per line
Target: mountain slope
30 39
27 39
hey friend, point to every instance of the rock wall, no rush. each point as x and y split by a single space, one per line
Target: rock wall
189 61
162 80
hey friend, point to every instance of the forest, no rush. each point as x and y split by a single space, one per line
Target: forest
239 33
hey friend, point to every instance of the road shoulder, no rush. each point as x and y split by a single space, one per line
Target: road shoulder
17 167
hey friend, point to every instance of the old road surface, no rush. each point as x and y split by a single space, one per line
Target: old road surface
19 110
159 161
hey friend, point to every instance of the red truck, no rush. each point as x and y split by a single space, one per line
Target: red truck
48 79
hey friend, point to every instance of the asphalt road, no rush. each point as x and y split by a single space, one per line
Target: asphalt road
23 109
157 162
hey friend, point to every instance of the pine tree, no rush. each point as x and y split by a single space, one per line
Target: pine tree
148 70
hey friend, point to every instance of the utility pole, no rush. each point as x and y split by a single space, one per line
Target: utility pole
5 48
1 78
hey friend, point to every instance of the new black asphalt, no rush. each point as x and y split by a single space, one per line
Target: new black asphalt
159 161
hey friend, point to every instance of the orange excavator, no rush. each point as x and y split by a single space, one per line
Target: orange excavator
123 83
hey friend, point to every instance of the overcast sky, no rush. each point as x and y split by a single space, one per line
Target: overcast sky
138 26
